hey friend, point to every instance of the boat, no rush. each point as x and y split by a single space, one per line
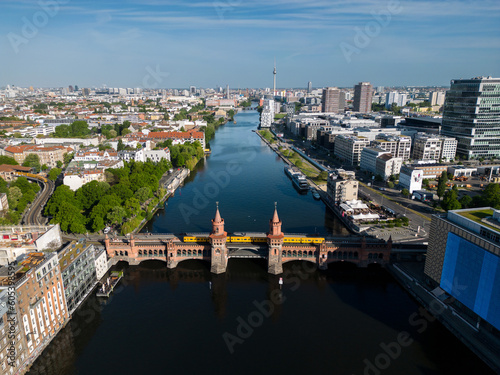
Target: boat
315 194
298 179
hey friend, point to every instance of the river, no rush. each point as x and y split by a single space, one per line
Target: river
189 321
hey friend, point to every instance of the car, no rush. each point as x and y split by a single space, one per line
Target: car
106 230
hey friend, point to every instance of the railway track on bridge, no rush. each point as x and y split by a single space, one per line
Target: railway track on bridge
34 214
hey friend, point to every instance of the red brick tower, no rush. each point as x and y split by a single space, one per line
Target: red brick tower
275 243
218 239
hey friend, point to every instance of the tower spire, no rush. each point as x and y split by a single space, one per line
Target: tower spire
274 78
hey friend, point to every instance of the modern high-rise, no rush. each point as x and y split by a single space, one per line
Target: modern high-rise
330 99
463 260
472 115
437 97
309 87
363 97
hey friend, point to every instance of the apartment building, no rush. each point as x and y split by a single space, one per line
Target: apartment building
398 145
47 155
348 148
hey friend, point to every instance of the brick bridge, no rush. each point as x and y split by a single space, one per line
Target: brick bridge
217 248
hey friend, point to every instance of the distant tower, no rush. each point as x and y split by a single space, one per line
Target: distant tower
309 87
275 243
274 78
218 244
363 97
227 91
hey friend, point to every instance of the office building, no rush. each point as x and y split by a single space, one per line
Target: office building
369 157
429 147
437 98
78 270
463 260
387 165
398 145
363 97
309 87
411 178
349 147
472 115
330 100
341 188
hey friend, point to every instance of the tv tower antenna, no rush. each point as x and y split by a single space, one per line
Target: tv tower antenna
274 78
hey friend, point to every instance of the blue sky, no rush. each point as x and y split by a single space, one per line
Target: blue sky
208 43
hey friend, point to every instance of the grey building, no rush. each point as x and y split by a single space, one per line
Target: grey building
77 262
472 115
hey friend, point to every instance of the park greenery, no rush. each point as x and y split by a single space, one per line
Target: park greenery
7 160
212 125
32 161
185 155
267 135
78 129
113 131
128 196
20 193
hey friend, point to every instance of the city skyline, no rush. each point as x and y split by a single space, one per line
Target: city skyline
171 44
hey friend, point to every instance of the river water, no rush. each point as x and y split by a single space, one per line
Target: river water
189 321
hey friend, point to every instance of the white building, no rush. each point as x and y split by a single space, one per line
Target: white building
428 147
76 180
349 148
101 263
131 155
387 165
397 145
267 115
437 98
411 178
369 157
157 155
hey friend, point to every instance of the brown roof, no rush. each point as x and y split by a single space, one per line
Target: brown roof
13 168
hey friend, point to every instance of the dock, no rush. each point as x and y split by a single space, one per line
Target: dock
109 285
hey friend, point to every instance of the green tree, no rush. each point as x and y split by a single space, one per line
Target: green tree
14 195
450 201
67 157
491 196
132 206
54 173
32 161
405 192
390 184
59 164
441 188
117 215
7 160
466 201
323 175
143 194
44 167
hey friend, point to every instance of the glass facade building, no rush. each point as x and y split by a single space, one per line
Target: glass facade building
472 115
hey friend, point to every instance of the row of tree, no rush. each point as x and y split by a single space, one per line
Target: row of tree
122 200
20 193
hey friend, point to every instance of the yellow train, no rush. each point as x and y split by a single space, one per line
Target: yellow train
195 239
303 240
31 175
243 239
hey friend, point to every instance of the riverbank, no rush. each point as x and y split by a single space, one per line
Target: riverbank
306 168
170 182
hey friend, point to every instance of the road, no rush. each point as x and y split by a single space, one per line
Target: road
33 216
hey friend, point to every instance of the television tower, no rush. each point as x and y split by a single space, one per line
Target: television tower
274 76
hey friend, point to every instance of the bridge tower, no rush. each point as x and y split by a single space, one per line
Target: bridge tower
218 239
275 243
